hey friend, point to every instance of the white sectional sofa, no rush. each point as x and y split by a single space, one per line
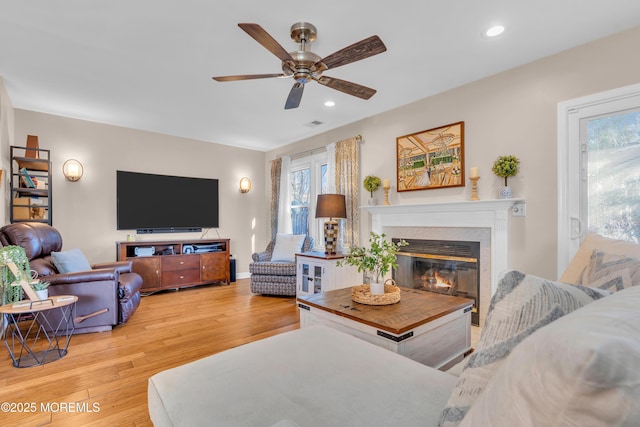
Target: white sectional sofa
314 376
550 354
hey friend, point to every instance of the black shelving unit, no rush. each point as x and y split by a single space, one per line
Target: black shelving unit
30 185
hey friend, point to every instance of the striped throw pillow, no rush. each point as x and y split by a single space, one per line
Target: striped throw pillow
611 272
521 305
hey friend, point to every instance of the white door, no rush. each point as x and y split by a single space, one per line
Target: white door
598 169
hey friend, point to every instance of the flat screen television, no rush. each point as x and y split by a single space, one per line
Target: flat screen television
152 203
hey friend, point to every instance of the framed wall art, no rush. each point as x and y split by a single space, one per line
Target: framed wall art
431 158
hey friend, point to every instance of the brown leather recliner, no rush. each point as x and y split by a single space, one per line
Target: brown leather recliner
111 286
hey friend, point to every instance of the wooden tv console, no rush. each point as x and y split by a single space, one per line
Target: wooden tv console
173 264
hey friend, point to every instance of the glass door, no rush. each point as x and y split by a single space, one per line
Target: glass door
598 169
304 285
317 279
610 172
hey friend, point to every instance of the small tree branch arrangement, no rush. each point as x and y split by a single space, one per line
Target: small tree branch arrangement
378 259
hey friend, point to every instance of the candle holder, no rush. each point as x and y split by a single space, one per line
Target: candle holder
386 189
474 187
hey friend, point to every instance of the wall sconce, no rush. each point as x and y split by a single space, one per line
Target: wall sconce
245 185
72 170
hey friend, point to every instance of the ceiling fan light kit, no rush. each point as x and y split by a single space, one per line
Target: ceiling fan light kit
305 66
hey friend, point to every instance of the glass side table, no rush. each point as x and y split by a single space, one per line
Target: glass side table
38 332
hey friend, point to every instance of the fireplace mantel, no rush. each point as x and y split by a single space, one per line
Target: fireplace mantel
492 214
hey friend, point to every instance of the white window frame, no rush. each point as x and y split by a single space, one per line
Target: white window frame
314 163
571 227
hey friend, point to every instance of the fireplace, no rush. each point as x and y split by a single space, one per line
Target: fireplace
484 221
441 266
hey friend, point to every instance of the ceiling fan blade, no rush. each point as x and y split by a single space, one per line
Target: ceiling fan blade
349 88
246 77
265 39
293 100
355 52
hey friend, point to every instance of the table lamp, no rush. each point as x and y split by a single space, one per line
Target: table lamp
331 206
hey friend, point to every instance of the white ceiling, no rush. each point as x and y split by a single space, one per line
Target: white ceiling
147 64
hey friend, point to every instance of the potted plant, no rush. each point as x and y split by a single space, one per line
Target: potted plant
41 289
377 260
16 255
504 167
371 184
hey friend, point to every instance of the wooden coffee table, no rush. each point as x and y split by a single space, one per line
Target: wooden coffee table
431 328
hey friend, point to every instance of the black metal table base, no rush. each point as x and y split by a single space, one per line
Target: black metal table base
38 337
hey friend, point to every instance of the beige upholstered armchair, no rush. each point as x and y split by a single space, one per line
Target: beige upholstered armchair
273 272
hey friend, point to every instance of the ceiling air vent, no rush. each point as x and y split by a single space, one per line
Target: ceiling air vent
314 123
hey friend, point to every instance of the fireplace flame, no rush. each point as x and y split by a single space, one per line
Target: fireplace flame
437 279
442 282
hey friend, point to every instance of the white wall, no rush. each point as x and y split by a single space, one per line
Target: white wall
513 112
85 211
510 113
6 140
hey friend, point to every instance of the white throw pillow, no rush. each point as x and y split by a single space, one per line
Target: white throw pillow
581 370
286 247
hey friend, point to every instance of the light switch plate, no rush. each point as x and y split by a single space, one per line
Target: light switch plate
519 209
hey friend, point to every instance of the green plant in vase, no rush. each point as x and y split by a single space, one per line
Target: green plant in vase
40 286
504 167
41 289
378 259
371 184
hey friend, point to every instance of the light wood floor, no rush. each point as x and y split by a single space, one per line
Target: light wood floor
111 369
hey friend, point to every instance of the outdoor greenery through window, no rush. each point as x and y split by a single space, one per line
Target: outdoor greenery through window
300 198
613 176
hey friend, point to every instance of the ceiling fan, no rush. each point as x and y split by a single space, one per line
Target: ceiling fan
305 66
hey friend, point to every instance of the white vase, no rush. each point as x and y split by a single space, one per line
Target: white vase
505 192
43 294
371 202
376 288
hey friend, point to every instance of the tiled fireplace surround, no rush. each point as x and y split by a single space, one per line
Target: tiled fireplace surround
484 221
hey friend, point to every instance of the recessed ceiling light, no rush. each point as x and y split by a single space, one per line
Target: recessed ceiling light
329 104
496 30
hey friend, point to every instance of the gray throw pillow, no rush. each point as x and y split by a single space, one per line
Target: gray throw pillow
70 261
611 272
521 305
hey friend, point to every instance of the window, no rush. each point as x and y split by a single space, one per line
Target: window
598 169
307 178
300 181
611 163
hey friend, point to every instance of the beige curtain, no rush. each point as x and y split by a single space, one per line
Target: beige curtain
276 171
348 183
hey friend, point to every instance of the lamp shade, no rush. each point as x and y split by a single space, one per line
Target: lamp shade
331 206
245 185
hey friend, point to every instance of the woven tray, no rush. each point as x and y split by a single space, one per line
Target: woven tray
362 294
